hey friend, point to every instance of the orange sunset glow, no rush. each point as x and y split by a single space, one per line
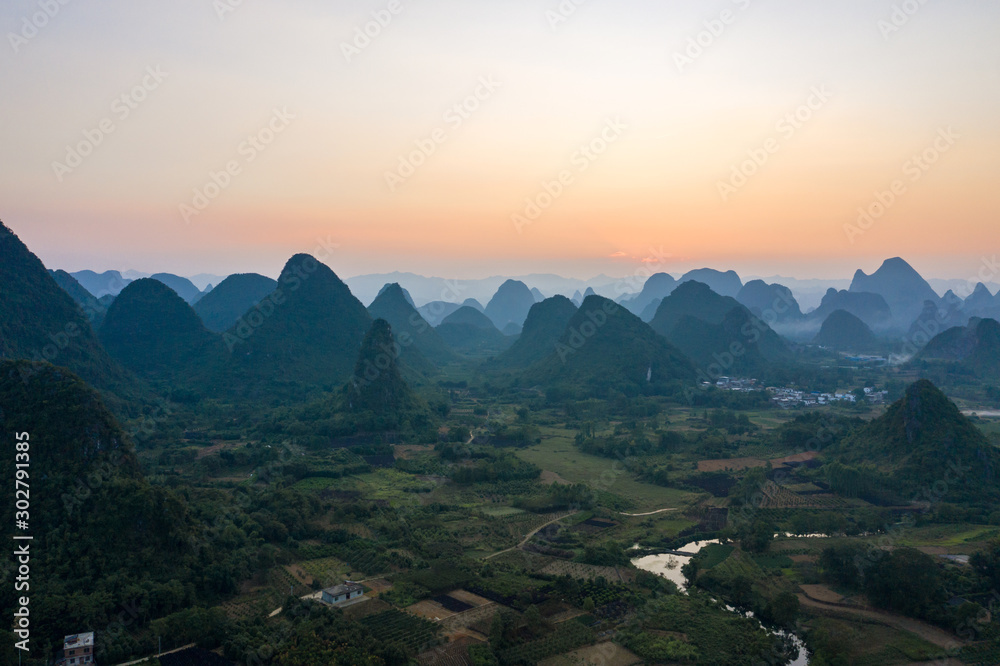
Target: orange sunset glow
430 148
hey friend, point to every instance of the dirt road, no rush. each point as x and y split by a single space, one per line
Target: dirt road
928 632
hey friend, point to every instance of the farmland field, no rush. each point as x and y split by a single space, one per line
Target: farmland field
557 454
602 654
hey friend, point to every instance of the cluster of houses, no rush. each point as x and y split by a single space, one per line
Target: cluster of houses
791 397
736 384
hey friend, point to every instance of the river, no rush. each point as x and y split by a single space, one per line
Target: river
669 566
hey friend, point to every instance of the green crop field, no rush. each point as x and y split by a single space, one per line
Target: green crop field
557 454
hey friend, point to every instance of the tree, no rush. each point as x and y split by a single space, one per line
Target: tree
906 581
783 609
534 619
986 563
588 604
756 538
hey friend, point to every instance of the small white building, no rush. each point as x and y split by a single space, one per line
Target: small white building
77 649
341 593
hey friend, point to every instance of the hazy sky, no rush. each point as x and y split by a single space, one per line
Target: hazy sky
310 129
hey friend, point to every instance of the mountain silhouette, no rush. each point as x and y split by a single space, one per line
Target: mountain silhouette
469 331
902 287
152 331
92 308
222 307
870 308
182 286
412 332
723 283
307 337
39 321
101 284
607 348
694 299
655 289
435 311
717 331
511 303
843 331
773 302
544 326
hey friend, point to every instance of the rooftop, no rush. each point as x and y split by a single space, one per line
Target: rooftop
78 640
337 590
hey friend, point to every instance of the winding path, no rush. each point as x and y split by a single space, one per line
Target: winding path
648 513
530 534
928 632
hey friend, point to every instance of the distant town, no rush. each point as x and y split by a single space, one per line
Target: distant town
793 397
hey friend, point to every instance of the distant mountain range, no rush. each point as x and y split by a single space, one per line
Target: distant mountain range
111 283
904 291
894 303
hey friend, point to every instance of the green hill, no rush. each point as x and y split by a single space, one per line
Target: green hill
845 332
418 339
39 321
181 285
975 347
605 347
101 532
469 316
377 388
510 304
542 329
920 443
903 289
92 308
870 308
152 331
469 331
708 327
742 343
693 299
222 307
307 338
770 301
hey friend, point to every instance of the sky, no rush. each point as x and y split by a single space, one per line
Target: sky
466 138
